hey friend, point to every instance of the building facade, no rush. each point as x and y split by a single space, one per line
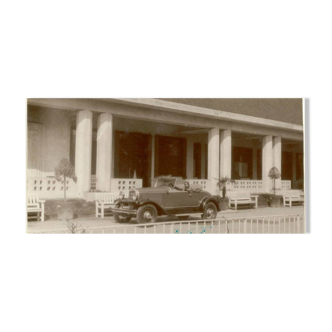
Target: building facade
119 144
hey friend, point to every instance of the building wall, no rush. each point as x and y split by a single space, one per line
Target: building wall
280 109
54 136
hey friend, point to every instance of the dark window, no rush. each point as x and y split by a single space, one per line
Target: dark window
94 154
171 156
206 161
132 152
72 146
299 166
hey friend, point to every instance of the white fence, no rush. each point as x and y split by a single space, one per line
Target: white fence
118 185
202 182
256 185
283 224
286 185
50 188
125 185
247 185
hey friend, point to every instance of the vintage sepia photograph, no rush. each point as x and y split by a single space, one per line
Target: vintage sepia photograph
165 166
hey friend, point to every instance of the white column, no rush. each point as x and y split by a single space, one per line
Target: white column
277 157
190 158
83 151
267 162
225 153
104 151
213 158
153 137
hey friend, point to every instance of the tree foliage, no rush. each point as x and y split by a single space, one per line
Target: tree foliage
274 173
65 170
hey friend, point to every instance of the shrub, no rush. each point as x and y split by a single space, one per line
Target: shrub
63 171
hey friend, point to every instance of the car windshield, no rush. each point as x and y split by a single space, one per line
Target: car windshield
165 182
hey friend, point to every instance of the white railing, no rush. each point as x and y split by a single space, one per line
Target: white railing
247 185
118 185
125 185
283 224
206 184
256 185
286 185
51 188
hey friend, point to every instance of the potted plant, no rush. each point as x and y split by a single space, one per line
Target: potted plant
274 174
224 201
65 170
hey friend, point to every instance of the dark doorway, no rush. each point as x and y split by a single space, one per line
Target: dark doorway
259 164
197 160
131 156
287 165
299 166
170 156
242 163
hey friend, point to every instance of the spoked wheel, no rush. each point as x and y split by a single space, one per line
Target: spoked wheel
147 214
210 211
121 219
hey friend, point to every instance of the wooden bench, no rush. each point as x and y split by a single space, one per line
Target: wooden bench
104 201
292 196
242 198
35 205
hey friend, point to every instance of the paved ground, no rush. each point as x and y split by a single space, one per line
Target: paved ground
238 225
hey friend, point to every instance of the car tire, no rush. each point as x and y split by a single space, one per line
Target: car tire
210 211
147 214
120 219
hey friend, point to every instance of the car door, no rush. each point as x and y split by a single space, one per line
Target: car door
180 201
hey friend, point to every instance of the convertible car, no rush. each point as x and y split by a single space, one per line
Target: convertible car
169 196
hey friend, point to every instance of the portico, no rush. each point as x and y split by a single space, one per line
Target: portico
114 142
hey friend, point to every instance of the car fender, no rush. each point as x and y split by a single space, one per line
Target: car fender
208 199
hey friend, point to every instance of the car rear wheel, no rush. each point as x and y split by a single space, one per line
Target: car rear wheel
147 214
210 211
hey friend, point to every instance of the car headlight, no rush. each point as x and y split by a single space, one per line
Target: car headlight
121 195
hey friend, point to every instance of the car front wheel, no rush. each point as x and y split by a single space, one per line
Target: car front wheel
147 214
210 211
